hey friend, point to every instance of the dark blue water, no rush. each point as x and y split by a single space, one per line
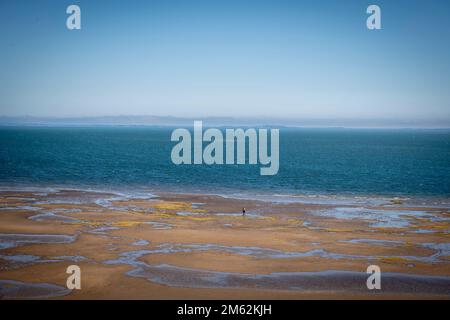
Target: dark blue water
323 161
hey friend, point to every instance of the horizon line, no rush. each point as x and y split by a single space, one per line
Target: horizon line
170 120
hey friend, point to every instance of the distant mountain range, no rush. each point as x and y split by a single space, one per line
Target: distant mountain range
149 120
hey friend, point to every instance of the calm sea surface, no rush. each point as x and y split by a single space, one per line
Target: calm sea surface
312 161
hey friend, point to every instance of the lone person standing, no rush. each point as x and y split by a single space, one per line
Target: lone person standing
243 211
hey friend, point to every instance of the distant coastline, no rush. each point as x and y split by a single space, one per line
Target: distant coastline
154 120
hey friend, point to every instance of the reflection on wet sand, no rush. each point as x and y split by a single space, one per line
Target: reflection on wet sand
20 290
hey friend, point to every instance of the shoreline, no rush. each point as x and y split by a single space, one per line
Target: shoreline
310 197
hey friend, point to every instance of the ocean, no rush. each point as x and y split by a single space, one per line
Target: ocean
326 162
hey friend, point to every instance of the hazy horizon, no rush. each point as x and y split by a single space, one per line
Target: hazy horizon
154 120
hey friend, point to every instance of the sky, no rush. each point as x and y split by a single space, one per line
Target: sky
247 58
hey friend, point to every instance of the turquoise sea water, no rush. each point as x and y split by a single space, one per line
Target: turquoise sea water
312 161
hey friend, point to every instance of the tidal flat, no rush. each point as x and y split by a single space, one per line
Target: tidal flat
183 246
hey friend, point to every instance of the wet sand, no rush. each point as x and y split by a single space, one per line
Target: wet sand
192 246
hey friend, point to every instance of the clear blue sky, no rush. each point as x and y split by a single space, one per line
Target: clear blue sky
305 59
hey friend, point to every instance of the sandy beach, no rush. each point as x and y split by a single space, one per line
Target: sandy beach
197 246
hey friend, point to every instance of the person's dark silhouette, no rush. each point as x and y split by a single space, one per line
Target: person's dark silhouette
243 211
